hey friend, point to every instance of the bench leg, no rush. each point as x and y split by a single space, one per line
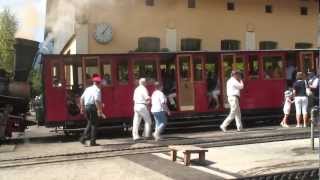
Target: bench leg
186 159
174 155
202 157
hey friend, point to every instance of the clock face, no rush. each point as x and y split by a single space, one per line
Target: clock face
103 33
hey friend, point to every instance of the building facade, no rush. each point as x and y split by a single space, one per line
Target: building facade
114 26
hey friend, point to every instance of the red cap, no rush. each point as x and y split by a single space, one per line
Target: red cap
96 78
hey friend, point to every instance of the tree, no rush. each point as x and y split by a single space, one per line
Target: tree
36 82
8 29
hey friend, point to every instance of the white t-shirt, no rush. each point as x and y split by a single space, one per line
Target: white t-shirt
91 95
140 95
234 87
158 101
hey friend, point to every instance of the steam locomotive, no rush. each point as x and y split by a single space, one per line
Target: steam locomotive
15 91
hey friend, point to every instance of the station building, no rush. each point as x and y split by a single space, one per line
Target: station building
114 26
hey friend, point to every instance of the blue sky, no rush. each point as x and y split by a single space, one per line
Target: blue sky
30 15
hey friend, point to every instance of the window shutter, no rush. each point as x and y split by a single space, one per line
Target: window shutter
229 44
190 44
303 45
148 44
268 45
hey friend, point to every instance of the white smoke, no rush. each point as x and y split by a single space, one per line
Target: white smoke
61 19
64 15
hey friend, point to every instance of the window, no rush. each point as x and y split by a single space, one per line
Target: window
68 76
230 6
268 8
122 73
146 69
229 44
190 44
197 68
106 74
149 2
184 68
240 64
268 45
148 44
253 67
273 67
304 11
303 45
191 3
168 75
91 67
55 73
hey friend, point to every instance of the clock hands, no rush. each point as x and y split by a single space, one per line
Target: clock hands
105 30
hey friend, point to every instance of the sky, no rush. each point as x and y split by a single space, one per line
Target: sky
30 15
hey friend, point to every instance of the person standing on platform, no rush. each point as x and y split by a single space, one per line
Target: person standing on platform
91 104
159 109
301 99
288 95
234 85
141 100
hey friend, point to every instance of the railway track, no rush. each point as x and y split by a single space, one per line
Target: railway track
151 147
306 174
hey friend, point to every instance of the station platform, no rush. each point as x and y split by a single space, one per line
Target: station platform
229 162
231 155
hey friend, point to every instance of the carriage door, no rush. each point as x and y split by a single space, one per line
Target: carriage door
185 83
306 62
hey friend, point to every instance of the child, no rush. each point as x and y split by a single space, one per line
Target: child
287 106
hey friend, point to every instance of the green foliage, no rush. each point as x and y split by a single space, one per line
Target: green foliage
8 28
36 82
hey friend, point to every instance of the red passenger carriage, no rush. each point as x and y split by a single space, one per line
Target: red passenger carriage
264 73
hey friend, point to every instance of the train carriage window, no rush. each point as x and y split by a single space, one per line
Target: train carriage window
107 75
91 67
68 76
55 73
307 63
240 65
273 67
184 68
122 73
253 67
197 67
145 69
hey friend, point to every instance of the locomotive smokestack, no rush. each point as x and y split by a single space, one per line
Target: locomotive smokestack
25 55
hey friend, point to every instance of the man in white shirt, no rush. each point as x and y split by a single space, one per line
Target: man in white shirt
141 100
90 101
234 85
159 109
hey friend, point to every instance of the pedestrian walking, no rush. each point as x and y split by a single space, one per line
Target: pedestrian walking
159 109
91 105
301 99
141 100
234 85
288 95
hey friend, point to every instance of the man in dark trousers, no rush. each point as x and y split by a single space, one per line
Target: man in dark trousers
91 102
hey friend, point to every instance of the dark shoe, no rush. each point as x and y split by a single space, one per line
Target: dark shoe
94 144
83 141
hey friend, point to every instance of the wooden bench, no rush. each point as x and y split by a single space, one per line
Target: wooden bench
187 151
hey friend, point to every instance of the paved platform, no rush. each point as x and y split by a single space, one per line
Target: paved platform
222 163
256 159
57 144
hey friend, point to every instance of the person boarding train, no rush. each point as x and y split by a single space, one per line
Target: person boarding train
159 109
234 85
90 101
141 99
